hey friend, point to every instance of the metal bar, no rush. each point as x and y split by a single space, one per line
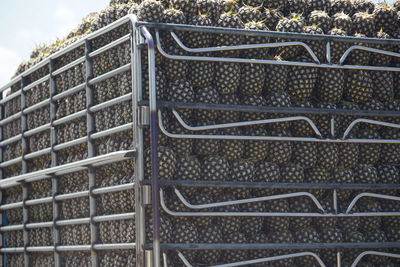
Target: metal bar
365 48
128 18
25 215
70 143
271 62
37 130
229 184
10 162
11 140
114 217
274 34
373 195
68 66
39 225
7 228
90 128
111 102
69 166
72 195
11 118
243 47
71 117
244 123
70 91
261 260
376 253
41 249
245 201
38 153
115 246
110 74
115 188
110 45
368 121
38 201
12 250
73 221
74 248
9 97
2 200
37 106
36 83
111 131
12 206
153 131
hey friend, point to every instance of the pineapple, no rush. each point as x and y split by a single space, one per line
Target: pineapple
330 84
188 7
300 205
278 99
292 173
260 53
302 81
207 6
173 16
365 174
227 77
224 6
228 225
181 91
150 11
229 20
202 197
302 128
359 57
324 5
207 95
166 163
354 237
307 235
215 169
327 154
285 237
331 235
345 6
188 168
266 172
175 69
243 171
305 154
383 85
320 18
209 234
292 24
235 255
280 152
369 153
252 79
275 223
348 155
386 17
248 13
387 174
277 78
186 233
253 100
207 146
181 147
372 105
317 175
272 16
295 6
337 48
326 223
161 84
363 6
166 229
201 74
343 21
252 226
377 236
318 47
379 59
255 150
232 149
370 224
390 152
358 86
364 23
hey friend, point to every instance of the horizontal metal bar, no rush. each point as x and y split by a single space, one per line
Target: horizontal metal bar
8 228
70 91
10 206
368 121
254 185
274 34
11 118
12 250
39 225
10 162
128 18
274 246
118 246
70 117
73 221
110 45
40 249
70 143
376 253
115 188
244 123
117 129
114 217
110 74
38 153
111 102
72 195
368 49
11 140
74 248
10 97
372 195
37 130
36 106
68 66
38 201
243 47
46 173
35 83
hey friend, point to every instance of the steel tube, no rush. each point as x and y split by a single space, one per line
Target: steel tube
11 118
37 130
10 162
376 253
111 102
111 131
70 143
114 217
115 246
11 140
37 106
36 83
115 188
110 45
72 195
38 153
17 227
68 66
71 117
38 201
110 74
368 49
68 92
9 97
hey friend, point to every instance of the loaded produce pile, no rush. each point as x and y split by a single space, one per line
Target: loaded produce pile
229 160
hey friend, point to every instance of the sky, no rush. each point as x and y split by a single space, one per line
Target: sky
26 23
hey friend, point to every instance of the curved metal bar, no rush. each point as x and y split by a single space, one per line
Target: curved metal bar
373 195
381 123
261 260
369 49
376 253
244 123
245 201
242 47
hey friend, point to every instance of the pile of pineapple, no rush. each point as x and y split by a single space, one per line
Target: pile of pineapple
225 160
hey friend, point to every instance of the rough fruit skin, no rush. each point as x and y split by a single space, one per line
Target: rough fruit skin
358 86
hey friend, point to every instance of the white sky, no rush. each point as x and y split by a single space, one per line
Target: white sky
25 23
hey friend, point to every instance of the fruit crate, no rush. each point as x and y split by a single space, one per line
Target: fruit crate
216 190
196 207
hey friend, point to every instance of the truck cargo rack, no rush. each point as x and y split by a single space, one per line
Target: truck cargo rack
150 113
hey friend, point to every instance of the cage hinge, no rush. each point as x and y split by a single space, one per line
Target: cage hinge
144 116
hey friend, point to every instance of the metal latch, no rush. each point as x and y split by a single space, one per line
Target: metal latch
147 195
144 115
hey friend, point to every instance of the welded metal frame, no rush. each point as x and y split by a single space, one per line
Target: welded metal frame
157 185
56 170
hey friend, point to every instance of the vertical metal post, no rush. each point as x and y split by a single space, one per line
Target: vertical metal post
54 180
25 190
91 152
138 142
154 159
2 116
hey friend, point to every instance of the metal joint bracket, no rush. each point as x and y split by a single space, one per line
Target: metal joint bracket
144 116
149 258
147 195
